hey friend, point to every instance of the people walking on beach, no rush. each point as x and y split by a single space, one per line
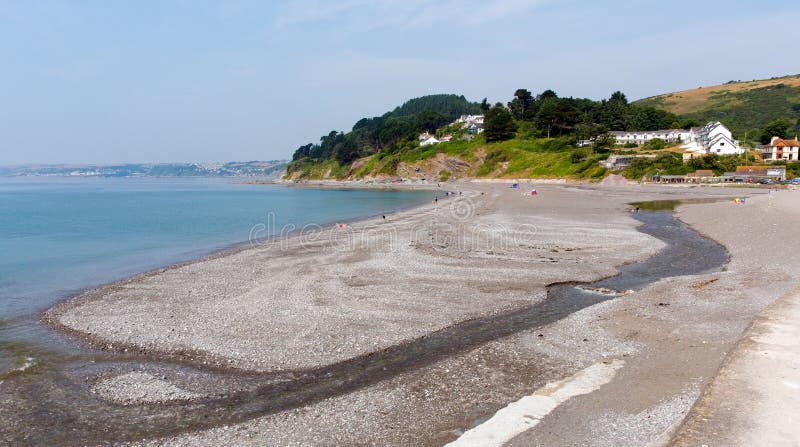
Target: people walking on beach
435 200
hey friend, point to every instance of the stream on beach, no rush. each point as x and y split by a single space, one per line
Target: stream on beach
55 393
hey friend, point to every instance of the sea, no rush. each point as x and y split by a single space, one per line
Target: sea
62 235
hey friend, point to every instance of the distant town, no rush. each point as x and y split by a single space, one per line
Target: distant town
268 169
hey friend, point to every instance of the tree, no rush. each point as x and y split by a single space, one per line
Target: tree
655 143
777 128
618 97
485 106
614 112
547 94
556 115
499 124
430 121
521 105
689 123
604 141
346 151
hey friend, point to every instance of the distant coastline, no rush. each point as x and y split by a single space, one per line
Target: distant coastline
265 169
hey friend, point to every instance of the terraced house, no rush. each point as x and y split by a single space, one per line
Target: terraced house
643 136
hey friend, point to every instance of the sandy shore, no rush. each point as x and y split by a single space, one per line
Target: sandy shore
305 302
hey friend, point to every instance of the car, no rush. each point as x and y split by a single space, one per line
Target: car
794 181
767 182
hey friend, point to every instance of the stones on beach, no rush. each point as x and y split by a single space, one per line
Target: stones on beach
139 387
600 290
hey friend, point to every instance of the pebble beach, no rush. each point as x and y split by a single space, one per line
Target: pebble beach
308 301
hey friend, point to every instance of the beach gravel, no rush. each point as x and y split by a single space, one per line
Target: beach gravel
292 305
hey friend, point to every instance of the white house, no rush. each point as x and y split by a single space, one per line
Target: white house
781 149
470 119
713 138
474 128
429 141
472 123
643 136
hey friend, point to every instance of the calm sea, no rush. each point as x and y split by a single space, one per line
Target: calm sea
61 235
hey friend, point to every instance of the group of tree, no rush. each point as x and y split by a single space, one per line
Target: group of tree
780 127
401 125
549 115
529 115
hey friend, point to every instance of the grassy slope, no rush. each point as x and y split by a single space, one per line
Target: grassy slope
517 158
743 106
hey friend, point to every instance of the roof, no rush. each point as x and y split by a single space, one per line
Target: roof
643 132
723 138
743 170
781 142
701 173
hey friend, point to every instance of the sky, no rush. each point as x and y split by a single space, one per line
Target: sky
96 81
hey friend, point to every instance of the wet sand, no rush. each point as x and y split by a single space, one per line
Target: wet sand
297 304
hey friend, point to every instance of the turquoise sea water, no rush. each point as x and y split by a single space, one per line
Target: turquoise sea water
61 235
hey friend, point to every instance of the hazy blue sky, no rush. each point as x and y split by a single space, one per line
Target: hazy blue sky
112 81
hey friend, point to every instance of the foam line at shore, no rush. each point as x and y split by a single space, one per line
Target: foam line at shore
527 412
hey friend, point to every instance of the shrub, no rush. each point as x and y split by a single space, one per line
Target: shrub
580 155
655 144
554 145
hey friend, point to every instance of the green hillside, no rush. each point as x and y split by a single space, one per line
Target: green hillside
533 135
742 106
538 136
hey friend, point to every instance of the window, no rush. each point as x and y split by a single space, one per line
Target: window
722 144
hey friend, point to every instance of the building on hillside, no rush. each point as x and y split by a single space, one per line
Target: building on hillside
622 161
472 123
713 138
446 138
429 141
475 128
780 149
470 119
424 136
643 136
